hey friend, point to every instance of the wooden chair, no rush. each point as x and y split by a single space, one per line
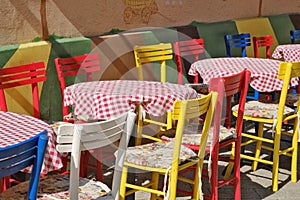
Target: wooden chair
295 36
224 137
240 41
75 67
69 71
274 115
187 52
153 54
169 158
157 54
19 156
28 74
261 42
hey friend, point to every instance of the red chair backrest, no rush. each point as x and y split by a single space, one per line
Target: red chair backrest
264 41
226 88
186 48
85 64
28 74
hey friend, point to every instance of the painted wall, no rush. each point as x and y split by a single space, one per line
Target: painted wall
20 20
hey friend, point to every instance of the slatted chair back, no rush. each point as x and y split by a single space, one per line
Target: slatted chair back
75 138
264 41
151 54
295 36
28 74
24 154
237 41
71 67
183 50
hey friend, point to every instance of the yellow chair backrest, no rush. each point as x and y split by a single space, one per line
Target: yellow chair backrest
286 71
186 110
153 53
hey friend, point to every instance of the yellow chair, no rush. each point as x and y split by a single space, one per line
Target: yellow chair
274 115
153 54
169 158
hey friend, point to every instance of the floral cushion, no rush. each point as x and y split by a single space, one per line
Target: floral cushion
263 110
57 188
199 87
157 154
194 138
292 99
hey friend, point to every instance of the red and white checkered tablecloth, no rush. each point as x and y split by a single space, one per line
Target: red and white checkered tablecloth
16 128
263 71
289 52
107 99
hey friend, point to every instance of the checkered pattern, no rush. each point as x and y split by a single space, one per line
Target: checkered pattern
107 99
289 52
16 128
263 71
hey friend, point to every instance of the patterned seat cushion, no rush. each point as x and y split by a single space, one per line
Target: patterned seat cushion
57 188
194 138
292 99
157 154
263 110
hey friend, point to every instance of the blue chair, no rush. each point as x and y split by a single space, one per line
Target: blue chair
295 36
19 156
237 41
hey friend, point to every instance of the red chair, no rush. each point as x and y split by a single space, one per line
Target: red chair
28 74
71 67
183 51
264 41
223 136
82 68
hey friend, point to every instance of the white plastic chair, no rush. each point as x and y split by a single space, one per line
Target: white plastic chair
75 138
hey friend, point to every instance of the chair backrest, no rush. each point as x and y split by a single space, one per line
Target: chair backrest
227 87
286 71
237 41
187 110
79 137
295 36
69 68
28 74
183 51
264 41
153 53
19 156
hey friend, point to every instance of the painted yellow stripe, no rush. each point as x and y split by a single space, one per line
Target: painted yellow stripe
256 27
19 99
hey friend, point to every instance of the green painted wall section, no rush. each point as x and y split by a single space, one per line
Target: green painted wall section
6 53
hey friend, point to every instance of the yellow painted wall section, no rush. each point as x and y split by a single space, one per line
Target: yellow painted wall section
256 27
19 99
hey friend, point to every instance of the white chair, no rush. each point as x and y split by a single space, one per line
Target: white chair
75 138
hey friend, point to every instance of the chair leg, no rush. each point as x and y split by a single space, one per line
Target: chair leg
123 183
197 179
230 165
258 145
155 179
99 164
294 154
237 174
275 162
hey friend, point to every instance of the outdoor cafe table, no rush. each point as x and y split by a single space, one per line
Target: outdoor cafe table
263 71
16 128
289 52
107 99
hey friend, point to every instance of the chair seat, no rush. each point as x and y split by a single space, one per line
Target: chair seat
263 110
194 138
292 99
157 154
57 187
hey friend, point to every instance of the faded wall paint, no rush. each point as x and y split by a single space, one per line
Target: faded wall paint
20 20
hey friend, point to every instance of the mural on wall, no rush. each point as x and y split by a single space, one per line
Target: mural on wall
142 9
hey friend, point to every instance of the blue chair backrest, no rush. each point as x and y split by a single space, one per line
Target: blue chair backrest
295 36
16 157
237 41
